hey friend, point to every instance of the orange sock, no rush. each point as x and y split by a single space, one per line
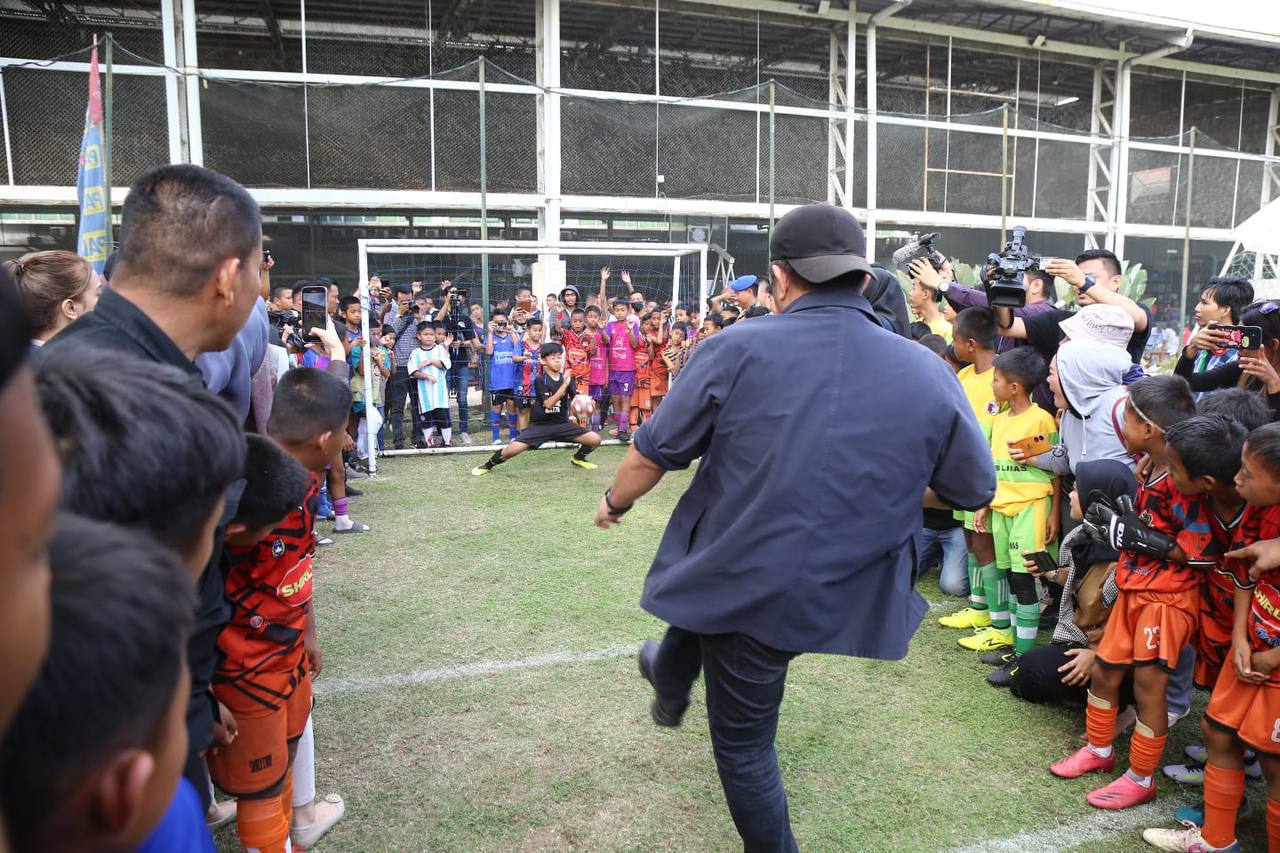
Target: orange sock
1273 825
1145 751
1100 723
262 825
1223 791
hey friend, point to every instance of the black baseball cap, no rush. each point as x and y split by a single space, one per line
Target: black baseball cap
820 242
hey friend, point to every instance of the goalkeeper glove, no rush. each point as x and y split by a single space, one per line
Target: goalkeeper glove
1116 524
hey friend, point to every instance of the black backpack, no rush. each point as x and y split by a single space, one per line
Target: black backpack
885 295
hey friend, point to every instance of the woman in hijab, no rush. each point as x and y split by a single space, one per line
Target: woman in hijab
1059 671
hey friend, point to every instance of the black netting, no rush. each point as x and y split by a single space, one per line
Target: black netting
46 123
900 167
28 34
707 153
800 158
607 147
349 123
262 118
1157 187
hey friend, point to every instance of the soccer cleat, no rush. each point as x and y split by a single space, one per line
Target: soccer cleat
1185 840
1194 815
624 437
997 658
1082 761
1003 675
1191 773
987 640
1121 793
480 471
1197 752
967 618
582 463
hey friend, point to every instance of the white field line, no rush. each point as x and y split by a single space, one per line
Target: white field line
1101 825
324 687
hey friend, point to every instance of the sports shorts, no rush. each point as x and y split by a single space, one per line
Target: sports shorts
1015 534
1250 711
536 435
597 392
621 382
1213 640
1149 628
502 395
255 763
525 401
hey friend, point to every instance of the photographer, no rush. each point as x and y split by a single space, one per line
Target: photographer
1097 278
400 386
464 343
1255 370
959 297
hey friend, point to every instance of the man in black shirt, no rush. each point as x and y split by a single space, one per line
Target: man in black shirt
458 325
1097 279
549 421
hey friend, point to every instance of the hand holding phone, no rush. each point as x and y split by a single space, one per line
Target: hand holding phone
1043 561
1032 445
1241 337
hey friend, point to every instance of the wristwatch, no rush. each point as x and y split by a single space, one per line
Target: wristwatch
1089 281
944 285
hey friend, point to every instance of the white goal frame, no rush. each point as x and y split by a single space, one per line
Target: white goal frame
543 249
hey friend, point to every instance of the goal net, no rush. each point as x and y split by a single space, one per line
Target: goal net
491 272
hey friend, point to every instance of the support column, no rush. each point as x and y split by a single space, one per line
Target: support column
190 65
547 21
871 142
1118 198
1270 171
1100 175
841 80
851 91
175 109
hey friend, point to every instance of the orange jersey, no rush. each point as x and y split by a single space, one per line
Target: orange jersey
269 587
1259 524
643 372
1164 509
1217 593
577 348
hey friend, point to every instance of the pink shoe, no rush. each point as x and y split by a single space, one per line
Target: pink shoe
1122 793
1082 761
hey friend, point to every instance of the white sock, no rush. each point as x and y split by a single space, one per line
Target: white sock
1144 781
447 434
343 522
1101 751
304 768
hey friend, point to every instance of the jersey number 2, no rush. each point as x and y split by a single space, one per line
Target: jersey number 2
1153 637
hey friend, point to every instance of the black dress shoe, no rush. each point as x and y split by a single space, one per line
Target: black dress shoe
664 713
353 492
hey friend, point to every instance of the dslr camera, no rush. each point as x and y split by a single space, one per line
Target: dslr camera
1003 274
921 247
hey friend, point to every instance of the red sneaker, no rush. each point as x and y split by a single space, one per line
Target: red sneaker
1122 793
1082 761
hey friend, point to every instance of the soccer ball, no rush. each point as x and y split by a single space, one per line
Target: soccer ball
582 406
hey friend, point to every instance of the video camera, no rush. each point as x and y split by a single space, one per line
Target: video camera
1003 274
921 247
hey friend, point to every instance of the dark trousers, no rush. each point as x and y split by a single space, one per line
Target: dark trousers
400 387
1037 678
745 680
459 378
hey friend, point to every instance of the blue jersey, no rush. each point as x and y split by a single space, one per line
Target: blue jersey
502 370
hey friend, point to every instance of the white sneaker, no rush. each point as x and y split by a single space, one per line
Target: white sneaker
465 439
1186 840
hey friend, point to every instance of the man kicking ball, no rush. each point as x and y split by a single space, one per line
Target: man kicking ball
553 389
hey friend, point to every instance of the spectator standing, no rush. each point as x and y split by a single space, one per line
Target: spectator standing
400 387
56 287
461 328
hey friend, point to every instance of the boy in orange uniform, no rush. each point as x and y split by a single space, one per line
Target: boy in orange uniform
264 678
1244 710
1165 542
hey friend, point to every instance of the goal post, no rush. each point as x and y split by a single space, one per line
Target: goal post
678 270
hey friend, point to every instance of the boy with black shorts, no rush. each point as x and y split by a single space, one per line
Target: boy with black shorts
502 345
528 368
553 390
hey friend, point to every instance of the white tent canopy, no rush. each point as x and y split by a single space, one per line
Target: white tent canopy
1261 232
1259 235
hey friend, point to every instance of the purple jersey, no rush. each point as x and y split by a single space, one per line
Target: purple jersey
599 374
621 354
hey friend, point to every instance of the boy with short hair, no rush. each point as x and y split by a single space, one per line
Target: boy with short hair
1165 541
1222 301
598 374
93 760
974 344
1023 516
349 313
554 389
528 368
263 677
502 345
1245 704
676 353
622 334
642 398
429 364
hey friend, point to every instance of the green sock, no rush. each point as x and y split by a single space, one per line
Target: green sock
996 582
977 593
1027 617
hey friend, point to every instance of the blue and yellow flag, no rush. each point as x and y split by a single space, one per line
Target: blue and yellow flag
91 180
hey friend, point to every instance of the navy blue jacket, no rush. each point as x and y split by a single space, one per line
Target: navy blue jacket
818 432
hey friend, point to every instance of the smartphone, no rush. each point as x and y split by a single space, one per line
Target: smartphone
266 255
315 300
1243 337
1044 562
1034 445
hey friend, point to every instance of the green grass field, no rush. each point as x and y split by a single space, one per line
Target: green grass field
911 755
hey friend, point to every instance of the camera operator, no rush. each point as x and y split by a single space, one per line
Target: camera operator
1039 290
1095 275
463 342
405 328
